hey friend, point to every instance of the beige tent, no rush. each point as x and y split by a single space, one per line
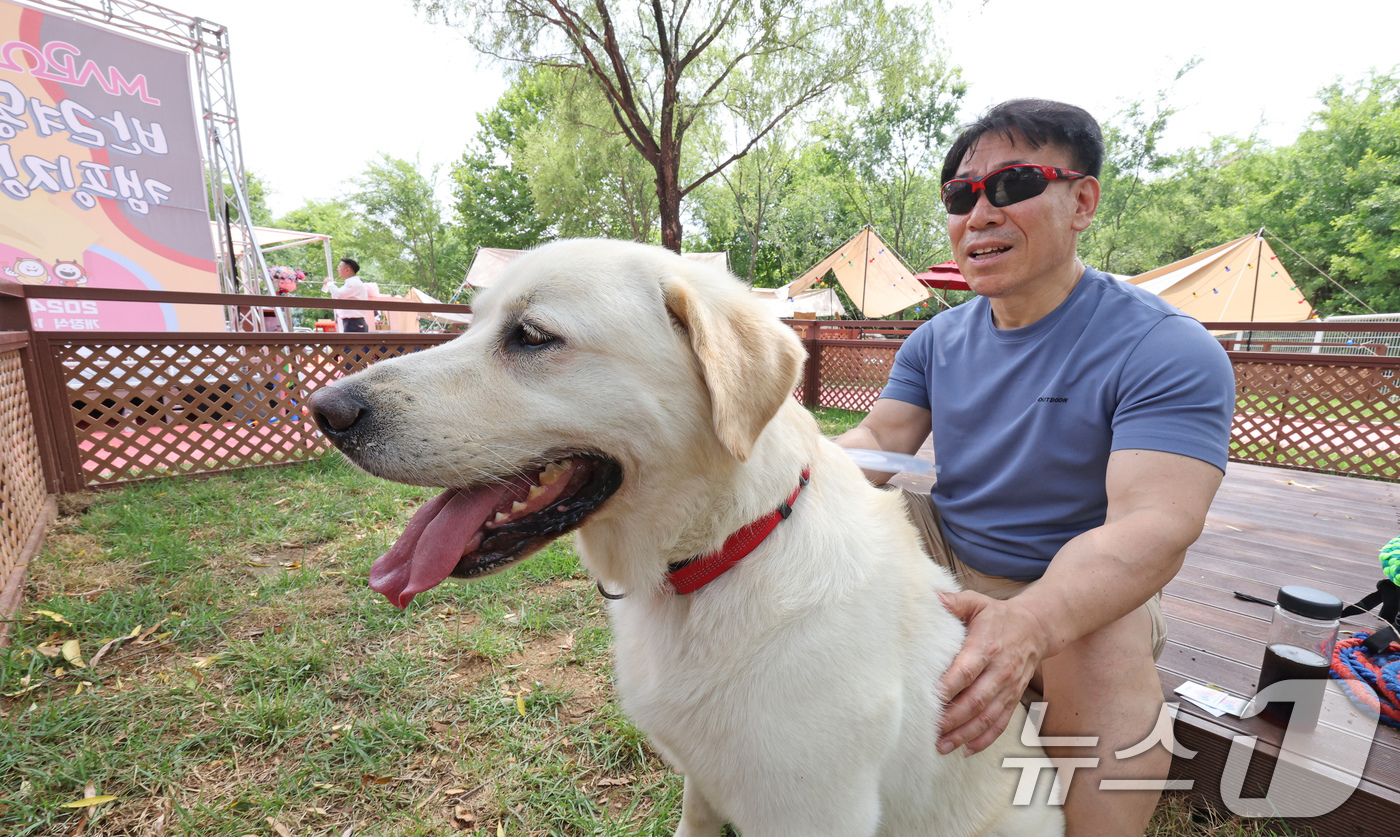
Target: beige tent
872 275
407 321
1242 281
490 262
488 265
819 302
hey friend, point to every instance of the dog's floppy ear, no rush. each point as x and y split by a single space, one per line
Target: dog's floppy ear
750 360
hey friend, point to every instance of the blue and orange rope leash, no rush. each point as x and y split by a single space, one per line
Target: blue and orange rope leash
1369 671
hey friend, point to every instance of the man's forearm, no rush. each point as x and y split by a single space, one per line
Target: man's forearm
1104 574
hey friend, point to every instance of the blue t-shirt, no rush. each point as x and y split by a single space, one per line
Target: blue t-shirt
1024 419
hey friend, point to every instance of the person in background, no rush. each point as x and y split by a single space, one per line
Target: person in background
349 319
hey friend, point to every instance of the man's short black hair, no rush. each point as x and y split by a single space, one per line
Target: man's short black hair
354 265
1036 122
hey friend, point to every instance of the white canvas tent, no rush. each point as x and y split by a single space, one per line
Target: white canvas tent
819 302
1241 281
270 239
488 265
407 321
490 262
872 275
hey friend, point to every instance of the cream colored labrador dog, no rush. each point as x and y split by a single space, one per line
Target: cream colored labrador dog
646 401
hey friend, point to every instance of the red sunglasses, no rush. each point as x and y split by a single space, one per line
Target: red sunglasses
1004 186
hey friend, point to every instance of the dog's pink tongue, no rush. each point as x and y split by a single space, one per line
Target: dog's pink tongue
433 542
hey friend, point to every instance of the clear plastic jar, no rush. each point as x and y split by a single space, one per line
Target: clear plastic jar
1301 638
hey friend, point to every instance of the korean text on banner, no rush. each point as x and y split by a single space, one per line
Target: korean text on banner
101 176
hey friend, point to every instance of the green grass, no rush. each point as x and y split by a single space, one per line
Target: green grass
834 421
266 684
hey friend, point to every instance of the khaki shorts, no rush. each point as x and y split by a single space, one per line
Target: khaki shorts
924 515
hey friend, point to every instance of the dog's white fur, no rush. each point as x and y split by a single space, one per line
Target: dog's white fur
797 692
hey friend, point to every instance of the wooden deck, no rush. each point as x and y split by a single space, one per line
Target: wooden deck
1269 527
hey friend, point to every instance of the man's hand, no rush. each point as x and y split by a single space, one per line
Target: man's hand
1005 643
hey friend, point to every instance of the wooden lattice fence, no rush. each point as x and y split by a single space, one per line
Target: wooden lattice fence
1333 413
140 406
1325 413
853 372
23 495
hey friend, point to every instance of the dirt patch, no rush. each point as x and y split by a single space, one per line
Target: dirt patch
75 564
543 662
73 505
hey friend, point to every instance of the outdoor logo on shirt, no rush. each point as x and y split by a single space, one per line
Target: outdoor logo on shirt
1048 400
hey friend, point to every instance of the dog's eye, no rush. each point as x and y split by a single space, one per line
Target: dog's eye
529 335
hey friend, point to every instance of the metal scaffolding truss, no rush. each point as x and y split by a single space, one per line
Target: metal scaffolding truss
223 149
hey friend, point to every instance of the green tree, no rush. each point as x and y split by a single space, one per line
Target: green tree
583 178
1344 186
1131 157
257 201
664 68
886 156
403 231
494 206
334 218
1333 196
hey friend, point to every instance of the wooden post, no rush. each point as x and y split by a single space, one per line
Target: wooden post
812 378
14 316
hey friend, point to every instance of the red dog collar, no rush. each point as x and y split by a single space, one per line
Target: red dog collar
689 576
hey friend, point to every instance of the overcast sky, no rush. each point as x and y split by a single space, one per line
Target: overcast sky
323 87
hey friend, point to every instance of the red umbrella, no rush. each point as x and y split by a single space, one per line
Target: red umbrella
945 276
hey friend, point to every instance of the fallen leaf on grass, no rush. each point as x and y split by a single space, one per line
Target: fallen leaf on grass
57 617
453 791
568 643
28 687
206 662
520 705
112 643
282 830
378 780
621 781
88 802
463 817
73 653
146 634
50 651
500 829
280 502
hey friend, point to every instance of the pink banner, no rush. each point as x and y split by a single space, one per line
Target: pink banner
101 174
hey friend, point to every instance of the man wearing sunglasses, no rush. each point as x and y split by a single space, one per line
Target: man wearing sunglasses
1081 427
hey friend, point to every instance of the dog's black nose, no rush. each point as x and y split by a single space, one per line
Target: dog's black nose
335 410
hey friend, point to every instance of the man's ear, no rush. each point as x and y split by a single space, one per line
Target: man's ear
1086 202
750 361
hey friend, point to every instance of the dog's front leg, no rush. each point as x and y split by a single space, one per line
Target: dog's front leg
698 819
